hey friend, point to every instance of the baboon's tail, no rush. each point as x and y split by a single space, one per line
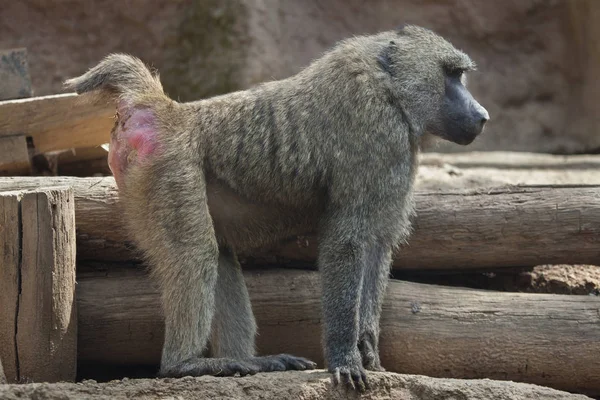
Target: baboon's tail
119 75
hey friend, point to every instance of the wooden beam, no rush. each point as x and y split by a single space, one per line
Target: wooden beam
58 122
500 227
39 286
550 340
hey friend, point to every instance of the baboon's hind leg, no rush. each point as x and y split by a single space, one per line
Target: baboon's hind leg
180 242
234 327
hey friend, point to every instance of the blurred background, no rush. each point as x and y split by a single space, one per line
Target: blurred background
538 76
539 60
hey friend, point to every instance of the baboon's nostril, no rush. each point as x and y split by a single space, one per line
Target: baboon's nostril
484 116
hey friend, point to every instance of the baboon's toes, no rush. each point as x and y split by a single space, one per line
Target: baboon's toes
283 362
211 366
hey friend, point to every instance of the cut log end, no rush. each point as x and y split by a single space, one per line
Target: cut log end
37 285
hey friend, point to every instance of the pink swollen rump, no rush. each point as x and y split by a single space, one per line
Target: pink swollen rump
133 139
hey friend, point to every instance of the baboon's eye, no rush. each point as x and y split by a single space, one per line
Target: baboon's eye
454 72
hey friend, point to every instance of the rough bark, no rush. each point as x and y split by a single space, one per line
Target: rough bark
500 227
551 340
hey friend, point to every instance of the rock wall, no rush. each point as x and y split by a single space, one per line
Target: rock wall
539 60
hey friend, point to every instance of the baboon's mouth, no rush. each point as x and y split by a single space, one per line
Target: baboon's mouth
462 137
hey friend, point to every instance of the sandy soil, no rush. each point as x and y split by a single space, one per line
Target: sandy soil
287 385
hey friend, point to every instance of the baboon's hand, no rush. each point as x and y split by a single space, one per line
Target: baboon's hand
351 374
210 366
282 362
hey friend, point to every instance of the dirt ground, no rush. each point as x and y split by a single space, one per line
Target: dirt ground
287 385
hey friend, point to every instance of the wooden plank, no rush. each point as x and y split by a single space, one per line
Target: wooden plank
10 259
490 228
15 82
58 122
551 340
14 156
47 320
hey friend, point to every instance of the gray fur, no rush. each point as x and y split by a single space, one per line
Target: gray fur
332 149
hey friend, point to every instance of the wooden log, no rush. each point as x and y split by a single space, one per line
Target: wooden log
14 156
501 227
511 160
551 340
42 272
494 169
15 82
47 320
58 122
10 257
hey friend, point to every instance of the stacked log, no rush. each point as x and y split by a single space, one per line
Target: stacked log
551 340
509 226
438 331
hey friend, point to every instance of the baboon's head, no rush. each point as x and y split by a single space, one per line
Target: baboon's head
428 82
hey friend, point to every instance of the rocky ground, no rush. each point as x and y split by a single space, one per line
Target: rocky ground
286 385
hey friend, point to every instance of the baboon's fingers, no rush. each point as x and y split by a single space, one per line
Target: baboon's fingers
354 378
297 363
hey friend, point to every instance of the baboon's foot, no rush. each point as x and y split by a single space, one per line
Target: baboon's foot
370 355
282 362
198 366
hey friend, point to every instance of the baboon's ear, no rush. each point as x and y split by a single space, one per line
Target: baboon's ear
400 28
385 60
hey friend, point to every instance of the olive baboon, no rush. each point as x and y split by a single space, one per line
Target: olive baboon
332 149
